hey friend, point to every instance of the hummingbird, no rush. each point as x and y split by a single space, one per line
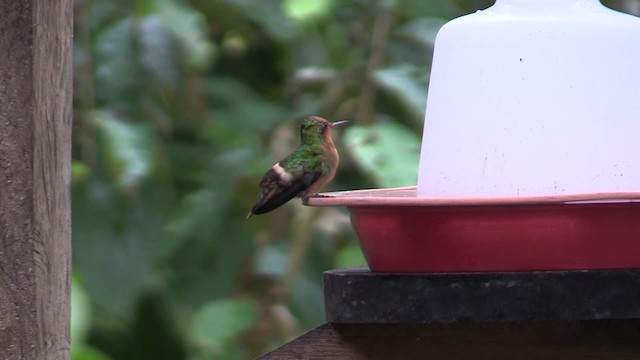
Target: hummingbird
311 166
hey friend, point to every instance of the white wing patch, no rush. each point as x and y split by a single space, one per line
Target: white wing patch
282 173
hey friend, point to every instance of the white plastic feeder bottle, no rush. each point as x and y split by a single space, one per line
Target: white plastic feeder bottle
534 97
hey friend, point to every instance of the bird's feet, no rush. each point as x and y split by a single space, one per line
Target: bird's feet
305 198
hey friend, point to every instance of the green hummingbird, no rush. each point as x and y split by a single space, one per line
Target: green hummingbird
311 166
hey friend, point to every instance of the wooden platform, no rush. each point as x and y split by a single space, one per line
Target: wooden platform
534 315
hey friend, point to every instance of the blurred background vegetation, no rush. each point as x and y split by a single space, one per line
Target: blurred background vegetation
180 108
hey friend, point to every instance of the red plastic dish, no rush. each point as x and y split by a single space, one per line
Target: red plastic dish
401 232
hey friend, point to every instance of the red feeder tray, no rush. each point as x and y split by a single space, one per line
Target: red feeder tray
402 232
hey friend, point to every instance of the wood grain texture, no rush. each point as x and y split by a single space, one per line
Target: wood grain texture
596 339
35 151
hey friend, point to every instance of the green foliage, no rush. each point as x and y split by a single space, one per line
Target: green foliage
180 108
88 353
81 323
403 82
350 256
304 10
80 313
128 147
387 151
220 321
188 27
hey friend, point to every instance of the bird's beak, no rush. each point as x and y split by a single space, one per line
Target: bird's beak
338 123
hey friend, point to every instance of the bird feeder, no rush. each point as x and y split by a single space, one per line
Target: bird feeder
530 151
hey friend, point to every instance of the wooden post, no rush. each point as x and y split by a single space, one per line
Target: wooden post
35 152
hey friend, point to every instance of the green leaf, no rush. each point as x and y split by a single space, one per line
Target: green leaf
211 240
307 299
116 68
160 55
406 83
271 261
422 30
116 238
350 256
241 109
85 352
388 152
190 27
101 13
303 10
79 171
220 321
269 14
445 9
80 313
128 147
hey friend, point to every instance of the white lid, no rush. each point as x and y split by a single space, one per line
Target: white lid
534 97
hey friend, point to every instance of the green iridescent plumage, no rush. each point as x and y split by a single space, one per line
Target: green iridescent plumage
305 171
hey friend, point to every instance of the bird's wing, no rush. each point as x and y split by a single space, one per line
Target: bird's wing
277 190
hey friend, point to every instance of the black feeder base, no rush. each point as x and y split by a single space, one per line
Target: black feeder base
529 315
